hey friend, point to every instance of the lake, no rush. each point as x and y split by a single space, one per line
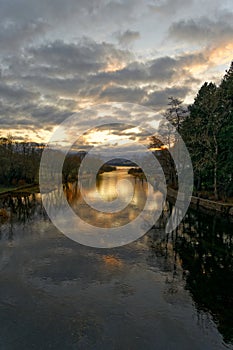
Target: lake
163 291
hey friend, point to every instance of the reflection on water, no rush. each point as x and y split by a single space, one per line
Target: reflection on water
107 189
96 216
202 251
170 291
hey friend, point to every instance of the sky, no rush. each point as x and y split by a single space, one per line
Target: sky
59 57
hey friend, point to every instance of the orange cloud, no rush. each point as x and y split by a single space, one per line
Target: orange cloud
114 65
222 54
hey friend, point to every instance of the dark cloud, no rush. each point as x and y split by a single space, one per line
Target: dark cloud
132 73
34 115
53 85
25 20
13 35
16 94
163 69
54 10
128 37
72 69
122 94
50 114
66 69
6 121
49 69
159 98
203 29
47 83
169 7
160 70
191 59
48 72
84 57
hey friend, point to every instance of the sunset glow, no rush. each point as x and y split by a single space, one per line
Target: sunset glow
50 71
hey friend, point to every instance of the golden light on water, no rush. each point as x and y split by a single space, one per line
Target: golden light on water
112 261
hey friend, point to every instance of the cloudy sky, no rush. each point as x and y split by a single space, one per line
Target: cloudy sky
58 57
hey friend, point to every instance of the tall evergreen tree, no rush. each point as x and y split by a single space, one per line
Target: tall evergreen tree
208 133
197 134
226 135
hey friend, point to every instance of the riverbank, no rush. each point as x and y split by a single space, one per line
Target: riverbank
199 203
20 189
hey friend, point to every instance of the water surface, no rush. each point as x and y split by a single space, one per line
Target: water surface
161 292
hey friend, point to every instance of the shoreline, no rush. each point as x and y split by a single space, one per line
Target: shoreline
198 203
19 189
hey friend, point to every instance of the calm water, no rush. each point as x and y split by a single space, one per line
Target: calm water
161 292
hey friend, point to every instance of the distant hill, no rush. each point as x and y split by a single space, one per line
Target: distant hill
121 162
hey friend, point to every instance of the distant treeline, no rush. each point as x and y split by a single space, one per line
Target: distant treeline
19 162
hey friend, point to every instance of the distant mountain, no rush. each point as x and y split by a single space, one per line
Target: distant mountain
121 162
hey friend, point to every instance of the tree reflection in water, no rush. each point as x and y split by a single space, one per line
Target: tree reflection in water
20 208
200 252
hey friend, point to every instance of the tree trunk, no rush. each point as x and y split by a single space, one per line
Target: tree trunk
216 169
215 181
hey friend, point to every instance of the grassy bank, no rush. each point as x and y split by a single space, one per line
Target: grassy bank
30 188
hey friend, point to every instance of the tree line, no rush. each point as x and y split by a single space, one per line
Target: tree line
206 127
20 162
